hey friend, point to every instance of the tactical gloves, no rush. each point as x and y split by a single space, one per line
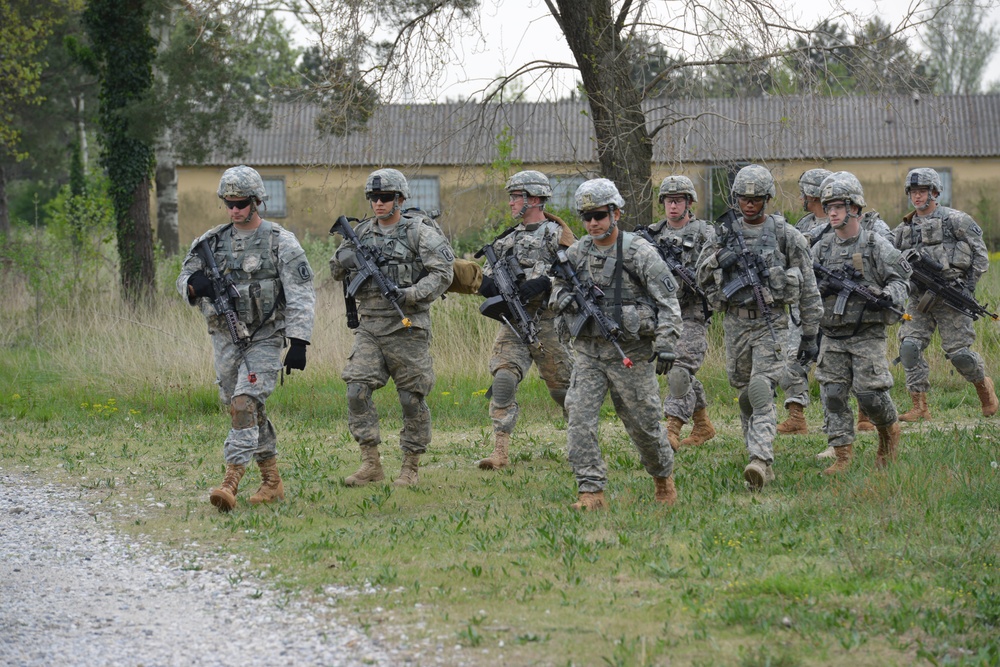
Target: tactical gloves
488 288
808 350
295 358
567 304
200 285
529 289
664 361
725 257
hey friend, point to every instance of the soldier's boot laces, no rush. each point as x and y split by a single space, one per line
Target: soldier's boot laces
888 445
665 491
408 473
987 397
224 496
703 430
271 488
864 424
590 502
844 455
370 470
796 422
500 456
919 410
756 475
674 425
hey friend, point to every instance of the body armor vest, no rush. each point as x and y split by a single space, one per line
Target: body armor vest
938 237
859 256
251 263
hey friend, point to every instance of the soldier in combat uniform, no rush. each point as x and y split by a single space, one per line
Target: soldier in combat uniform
754 359
954 240
532 243
853 349
419 261
686 398
275 308
639 295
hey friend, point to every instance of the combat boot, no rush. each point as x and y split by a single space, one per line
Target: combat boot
498 459
828 453
888 445
702 432
271 488
674 425
370 470
224 497
666 492
590 502
756 474
864 424
919 410
987 397
408 473
844 454
796 422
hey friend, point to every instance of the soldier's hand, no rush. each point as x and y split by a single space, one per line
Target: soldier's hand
725 257
408 295
808 350
200 285
488 287
295 358
347 258
567 304
529 289
664 361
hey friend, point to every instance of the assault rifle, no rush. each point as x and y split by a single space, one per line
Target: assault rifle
751 271
844 283
507 306
586 301
225 294
926 276
671 254
368 261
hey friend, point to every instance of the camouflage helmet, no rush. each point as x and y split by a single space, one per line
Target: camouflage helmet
678 185
597 192
535 183
842 186
754 180
923 177
242 182
811 179
387 180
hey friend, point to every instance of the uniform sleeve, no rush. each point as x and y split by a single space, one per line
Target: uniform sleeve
559 286
337 270
895 278
707 264
438 260
973 235
191 264
810 301
881 227
662 289
297 282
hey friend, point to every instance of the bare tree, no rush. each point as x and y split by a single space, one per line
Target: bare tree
961 44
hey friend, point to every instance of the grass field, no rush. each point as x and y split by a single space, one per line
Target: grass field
872 568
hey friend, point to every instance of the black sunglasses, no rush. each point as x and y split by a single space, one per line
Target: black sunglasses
239 203
384 197
594 215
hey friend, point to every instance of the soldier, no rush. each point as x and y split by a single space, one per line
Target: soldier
809 183
639 297
763 264
418 259
853 350
275 308
954 240
686 234
532 244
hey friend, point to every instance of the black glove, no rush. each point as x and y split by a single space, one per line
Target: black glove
295 358
725 257
808 350
488 288
529 289
664 361
201 285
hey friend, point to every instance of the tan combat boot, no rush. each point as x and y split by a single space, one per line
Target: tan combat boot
844 455
828 453
888 445
271 488
408 473
796 422
674 425
756 474
498 459
703 430
666 492
987 397
864 424
590 502
224 497
919 410
370 470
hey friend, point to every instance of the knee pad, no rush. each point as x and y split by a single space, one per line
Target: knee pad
504 388
410 403
679 382
878 406
745 408
559 396
909 352
964 360
759 392
243 411
836 397
358 396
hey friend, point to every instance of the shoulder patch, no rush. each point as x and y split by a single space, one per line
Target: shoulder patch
669 283
445 251
303 271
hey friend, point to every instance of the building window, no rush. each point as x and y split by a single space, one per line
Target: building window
945 173
719 188
425 194
563 188
277 205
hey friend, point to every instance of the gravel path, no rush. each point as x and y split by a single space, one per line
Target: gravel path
73 591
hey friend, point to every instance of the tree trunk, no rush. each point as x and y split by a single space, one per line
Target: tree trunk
624 148
135 247
4 210
166 196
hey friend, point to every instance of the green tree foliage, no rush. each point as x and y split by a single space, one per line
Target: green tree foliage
335 83
961 44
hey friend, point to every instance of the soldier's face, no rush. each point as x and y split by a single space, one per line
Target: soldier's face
675 207
598 221
517 200
836 211
239 209
752 208
920 197
382 202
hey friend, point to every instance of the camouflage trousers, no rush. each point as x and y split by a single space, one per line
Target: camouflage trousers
690 351
264 356
598 369
795 382
405 356
859 363
553 360
957 335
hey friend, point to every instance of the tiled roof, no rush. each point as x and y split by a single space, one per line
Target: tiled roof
715 130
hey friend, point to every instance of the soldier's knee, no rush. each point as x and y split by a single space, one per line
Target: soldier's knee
836 396
745 408
909 353
558 395
679 382
410 403
504 388
759 392
878 406
358 396
965 360
243 411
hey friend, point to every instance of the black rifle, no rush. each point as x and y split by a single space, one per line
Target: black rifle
671 254
927 276
507 306
368 260
225 294
751 271
844 283
586 301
